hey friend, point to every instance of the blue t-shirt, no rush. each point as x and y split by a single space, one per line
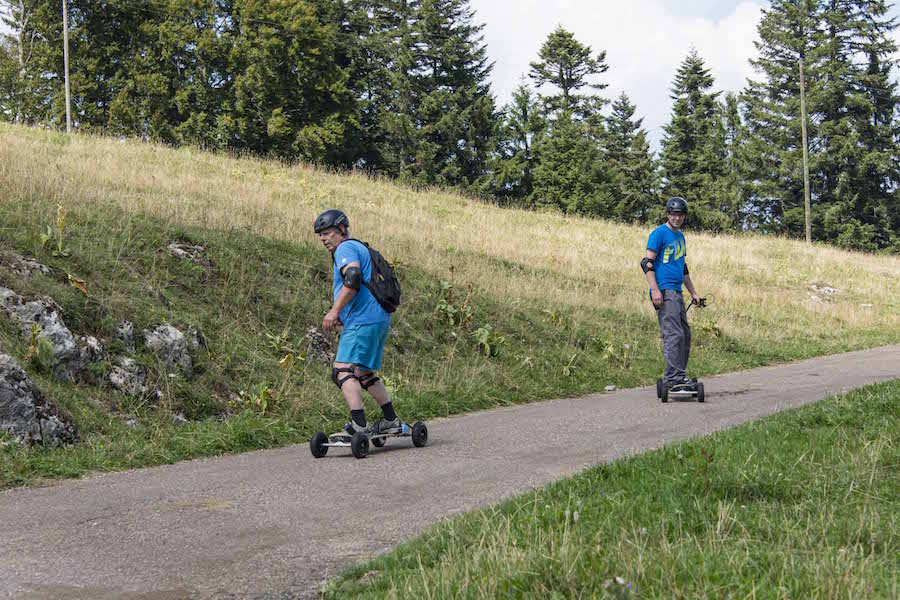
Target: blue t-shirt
364 308
670 252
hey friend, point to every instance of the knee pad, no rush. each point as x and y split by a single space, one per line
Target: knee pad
340 381
368 380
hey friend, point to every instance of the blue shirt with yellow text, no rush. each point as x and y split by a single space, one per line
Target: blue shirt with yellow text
670 251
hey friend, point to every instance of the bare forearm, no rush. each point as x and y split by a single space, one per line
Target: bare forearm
344 297
689 285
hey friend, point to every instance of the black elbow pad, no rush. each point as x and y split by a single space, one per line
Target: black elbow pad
647 265
353 278
686 272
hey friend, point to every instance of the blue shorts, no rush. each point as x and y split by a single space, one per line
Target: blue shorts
363 345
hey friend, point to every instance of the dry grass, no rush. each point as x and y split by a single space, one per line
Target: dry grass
761 285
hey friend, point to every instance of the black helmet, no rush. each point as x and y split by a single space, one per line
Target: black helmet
331 218
675 204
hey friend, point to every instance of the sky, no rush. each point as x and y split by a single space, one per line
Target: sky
644 40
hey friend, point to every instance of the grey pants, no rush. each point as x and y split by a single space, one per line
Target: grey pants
676 335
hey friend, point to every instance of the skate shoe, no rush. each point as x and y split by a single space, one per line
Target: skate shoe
351 427
385 426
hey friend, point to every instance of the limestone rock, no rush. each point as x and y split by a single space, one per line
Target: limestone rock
125 334
24 412
171 346
22 265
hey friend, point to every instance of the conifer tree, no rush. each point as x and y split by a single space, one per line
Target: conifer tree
290 98
789 31
520 129
692 157
567 64
848 55
569 173
453 110
629 163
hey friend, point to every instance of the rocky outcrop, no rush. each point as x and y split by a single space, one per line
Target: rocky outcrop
25 415
48 315
171 346
22 265
125 334
128 377
317 346
194 254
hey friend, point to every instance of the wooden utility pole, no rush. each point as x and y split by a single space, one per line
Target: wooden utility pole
805 154
66 60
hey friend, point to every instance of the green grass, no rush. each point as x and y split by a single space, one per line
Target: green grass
803 504
548 317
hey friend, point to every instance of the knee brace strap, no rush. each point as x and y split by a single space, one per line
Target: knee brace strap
340 382
368 380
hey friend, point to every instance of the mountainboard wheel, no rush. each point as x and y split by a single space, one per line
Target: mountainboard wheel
359 445
659 388
665 393
701 396
378 442
419 434
316 445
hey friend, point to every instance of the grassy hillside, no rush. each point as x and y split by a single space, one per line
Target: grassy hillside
550 305
803 504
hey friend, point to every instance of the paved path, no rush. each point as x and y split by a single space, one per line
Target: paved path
275 524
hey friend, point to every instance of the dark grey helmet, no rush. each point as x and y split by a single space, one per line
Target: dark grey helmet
677 204
331 218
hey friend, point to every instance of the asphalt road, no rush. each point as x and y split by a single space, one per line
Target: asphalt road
276 524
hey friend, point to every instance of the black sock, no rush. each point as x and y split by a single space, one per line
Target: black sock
388 410
359 417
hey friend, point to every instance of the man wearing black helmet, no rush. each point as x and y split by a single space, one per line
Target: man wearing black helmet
365 325
666 270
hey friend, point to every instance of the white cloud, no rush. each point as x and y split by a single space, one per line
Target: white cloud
645 43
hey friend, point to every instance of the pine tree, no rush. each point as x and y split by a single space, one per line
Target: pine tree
520 129
453 109
789 31
569 173
32 65
847 53
381 55
855 166
629 163
693 146
290 97
732 189
567 64
172 90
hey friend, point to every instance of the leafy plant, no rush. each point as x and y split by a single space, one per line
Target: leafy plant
488 341
569 369
447 309
40 349
618 355
60 226
259 396
278 342
46 237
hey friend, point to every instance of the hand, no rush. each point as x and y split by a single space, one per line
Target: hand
331 320
695 298
657 298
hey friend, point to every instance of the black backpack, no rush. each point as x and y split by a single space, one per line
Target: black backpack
383 284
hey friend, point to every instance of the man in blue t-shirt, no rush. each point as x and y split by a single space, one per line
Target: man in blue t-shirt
365 324
666 270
